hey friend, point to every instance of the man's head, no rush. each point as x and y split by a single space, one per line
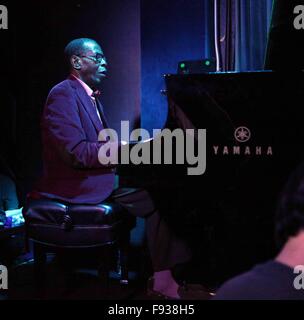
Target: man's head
86 61
290 211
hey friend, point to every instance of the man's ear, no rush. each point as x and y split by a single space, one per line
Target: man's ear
76 62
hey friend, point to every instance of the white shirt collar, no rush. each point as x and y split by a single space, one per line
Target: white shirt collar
88 90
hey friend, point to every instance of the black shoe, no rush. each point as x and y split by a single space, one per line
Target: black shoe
185 292
194 292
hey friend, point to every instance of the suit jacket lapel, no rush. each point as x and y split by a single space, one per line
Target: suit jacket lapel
87 103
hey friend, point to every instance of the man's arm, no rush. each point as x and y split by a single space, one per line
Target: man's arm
61 123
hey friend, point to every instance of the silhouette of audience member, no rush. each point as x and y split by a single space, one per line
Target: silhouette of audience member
10 213
283 277
8 193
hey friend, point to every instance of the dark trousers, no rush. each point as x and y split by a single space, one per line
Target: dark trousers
166 250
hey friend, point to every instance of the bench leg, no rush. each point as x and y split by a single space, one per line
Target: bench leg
39 268
105 266
124 244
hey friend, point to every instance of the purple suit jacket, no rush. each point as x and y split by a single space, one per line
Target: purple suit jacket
70 127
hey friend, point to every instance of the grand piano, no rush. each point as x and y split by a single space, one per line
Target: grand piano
255 138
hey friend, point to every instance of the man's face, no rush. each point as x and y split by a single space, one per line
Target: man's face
93 64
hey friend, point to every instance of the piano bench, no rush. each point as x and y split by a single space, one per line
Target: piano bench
55 226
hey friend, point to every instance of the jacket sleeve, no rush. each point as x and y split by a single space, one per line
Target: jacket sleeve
62 126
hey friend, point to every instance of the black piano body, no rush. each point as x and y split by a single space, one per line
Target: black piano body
255 138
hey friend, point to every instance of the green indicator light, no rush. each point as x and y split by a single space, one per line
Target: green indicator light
207 62
182 65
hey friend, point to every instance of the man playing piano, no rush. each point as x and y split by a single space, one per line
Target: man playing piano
71 122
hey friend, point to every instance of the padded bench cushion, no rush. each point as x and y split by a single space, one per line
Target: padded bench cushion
49 211
55 223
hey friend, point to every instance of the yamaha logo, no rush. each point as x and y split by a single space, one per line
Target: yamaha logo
242 134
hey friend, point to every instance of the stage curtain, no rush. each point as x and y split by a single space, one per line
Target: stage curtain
242 31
